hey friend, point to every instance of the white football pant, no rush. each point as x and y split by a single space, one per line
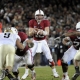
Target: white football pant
19 60
41 46
69 54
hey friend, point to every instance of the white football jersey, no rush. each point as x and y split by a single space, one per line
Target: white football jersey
8 38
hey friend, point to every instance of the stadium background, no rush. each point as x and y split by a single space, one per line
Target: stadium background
63 15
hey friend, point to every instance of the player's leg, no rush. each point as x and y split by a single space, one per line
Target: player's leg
76 64
64 70
29 65
25 75
76 60
2 61
48 55
17 61
33 72
30 60
68 56
9 61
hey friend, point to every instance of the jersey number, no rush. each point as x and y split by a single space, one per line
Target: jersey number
6 35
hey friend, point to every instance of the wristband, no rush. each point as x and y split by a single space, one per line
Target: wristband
45 33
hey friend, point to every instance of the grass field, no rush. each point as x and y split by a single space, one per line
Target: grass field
45 73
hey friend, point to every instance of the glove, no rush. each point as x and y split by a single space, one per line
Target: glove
69 43
30 45
27 46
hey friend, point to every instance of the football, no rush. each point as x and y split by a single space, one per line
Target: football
35 30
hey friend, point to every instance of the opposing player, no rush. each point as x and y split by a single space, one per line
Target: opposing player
68 55
73 42
77 56
22 55
8 41
39 29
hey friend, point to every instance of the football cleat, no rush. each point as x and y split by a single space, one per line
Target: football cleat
2 74
65 77
74 77
56 75
24 76
33 75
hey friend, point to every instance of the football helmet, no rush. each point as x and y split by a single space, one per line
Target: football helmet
7 30
39 16
11 29
14 30
39 12
78 26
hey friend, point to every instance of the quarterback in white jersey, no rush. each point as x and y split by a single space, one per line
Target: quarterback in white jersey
8 41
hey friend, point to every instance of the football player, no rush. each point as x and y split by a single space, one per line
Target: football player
39 29
68 55
22 55
72 40
77 56
8 41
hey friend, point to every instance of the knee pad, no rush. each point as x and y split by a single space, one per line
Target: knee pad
62 61
64 66
51 64
30 66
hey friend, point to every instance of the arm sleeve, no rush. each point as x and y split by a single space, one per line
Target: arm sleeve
47 23
31 23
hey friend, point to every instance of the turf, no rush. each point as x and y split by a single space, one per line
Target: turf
45 73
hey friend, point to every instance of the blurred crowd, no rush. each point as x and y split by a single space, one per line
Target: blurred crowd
63 15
